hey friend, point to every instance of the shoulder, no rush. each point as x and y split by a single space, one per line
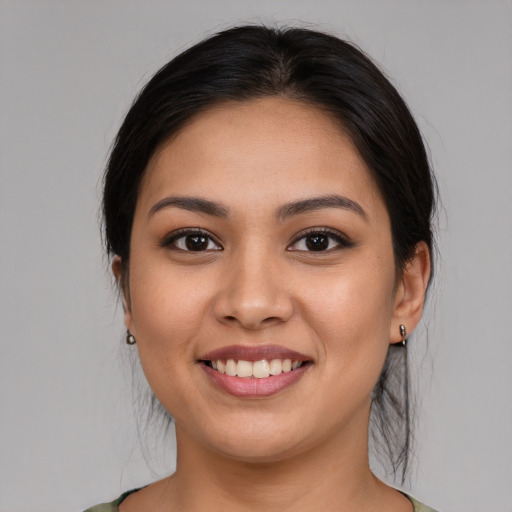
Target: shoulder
113 506
105 507
419 507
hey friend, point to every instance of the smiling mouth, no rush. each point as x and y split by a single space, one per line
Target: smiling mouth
255 369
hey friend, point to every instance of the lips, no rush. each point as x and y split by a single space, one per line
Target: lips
254 372
251 353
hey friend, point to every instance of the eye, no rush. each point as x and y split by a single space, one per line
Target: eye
319 240
191 241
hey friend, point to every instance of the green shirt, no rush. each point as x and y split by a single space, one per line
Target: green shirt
114 505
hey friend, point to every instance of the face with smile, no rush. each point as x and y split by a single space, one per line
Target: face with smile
262 287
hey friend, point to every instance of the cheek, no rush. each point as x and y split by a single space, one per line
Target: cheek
350 311
163 295
168 309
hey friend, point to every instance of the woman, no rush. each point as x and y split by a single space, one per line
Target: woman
267 207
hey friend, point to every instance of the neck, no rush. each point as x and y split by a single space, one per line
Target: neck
333 475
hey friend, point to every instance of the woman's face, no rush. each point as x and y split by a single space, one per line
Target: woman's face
259 241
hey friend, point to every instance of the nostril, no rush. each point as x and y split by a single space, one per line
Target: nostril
252 323
271 319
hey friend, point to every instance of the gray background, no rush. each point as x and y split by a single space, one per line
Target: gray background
70 69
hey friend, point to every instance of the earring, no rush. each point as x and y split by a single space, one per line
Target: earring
403 333
130 338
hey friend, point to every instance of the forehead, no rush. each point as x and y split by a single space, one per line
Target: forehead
268 150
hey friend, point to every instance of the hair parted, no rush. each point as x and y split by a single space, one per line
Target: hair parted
249 62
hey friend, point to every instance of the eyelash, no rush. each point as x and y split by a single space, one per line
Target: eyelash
340 240
170 241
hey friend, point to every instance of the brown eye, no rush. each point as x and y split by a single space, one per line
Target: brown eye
196 242
192 241
320 241
317 242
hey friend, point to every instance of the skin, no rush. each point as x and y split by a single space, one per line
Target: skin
304 448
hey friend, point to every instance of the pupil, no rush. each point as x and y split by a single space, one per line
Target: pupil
196 242
317 242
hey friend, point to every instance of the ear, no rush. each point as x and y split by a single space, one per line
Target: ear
410 293
120 274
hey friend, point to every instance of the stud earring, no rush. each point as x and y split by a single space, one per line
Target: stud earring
403 333
130 338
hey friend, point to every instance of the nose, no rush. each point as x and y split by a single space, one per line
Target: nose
254 294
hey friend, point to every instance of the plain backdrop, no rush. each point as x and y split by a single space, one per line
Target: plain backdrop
70 69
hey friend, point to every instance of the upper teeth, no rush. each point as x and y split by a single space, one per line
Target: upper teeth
258 369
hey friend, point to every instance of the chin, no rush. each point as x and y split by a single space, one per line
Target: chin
258 453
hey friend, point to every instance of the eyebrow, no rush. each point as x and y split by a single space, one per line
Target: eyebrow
198 204
194 204
318 203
